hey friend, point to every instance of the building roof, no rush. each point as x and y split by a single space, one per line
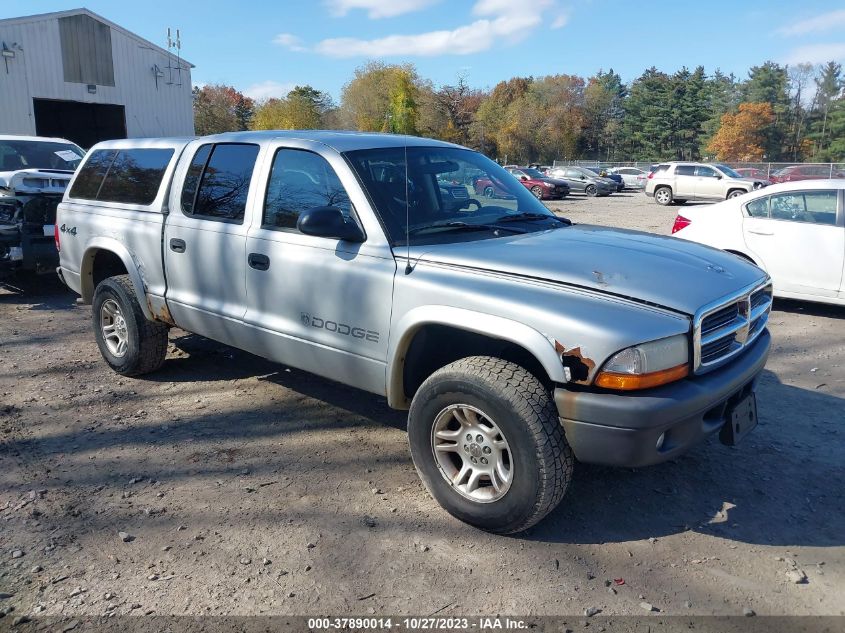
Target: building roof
83 11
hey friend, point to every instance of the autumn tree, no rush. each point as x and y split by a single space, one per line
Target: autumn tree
377 92
402 108
304 108
221 108
743 136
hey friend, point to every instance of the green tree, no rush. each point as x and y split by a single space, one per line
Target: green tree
769 83
304 108
829 85
602 115
402 110
374 95
720 96
647 112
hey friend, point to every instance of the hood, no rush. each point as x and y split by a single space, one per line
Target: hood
748 181
34 181
557 182
666 271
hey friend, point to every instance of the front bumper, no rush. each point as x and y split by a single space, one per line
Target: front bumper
618 429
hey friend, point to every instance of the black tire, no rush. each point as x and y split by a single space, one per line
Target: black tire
146 344
541 461
489 192
735 193
591 191
537 190
663 196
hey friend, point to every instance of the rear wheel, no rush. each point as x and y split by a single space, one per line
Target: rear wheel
537 190
488 192
487 443
129 343
591 190
663 195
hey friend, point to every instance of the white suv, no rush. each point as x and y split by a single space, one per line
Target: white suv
679 182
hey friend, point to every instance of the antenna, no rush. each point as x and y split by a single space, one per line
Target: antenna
408 268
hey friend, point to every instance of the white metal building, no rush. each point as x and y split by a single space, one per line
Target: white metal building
75 75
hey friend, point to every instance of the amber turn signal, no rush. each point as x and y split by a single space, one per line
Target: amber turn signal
629 382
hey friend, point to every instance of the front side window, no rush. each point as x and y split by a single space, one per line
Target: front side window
442 194
815 207
223 187
301 180
705 172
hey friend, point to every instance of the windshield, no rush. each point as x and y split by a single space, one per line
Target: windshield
728 171
16 155
446 188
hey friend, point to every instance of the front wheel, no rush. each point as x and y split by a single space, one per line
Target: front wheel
488 192
129 343
487 443
591 191
736 193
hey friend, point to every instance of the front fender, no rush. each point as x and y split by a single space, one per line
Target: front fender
87 270
497 327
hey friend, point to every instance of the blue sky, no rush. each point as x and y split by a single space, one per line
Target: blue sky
266 47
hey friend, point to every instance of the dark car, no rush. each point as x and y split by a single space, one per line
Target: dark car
599 171
584 180
543 187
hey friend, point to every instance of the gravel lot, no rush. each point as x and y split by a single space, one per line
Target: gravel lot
244 487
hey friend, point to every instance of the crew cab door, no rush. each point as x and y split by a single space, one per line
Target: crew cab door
799 238
316 303
205 239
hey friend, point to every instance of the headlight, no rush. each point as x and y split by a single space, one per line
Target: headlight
5 192
647 365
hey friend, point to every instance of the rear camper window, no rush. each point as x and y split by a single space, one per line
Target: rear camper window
127 176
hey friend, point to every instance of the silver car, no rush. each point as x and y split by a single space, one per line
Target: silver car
583 180
633 177
678 182
518 341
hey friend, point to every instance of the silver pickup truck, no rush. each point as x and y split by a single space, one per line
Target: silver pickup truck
518 341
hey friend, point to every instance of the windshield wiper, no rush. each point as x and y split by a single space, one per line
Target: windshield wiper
521 217
462 226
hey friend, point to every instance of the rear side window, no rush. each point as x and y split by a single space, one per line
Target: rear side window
222 188
758 208
91 175
684 170
127 176
299 181
135 176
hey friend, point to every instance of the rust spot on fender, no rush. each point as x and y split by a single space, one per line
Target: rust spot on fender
162 315
581 366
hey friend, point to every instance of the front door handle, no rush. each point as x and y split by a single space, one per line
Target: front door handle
258 261
760 232
177 245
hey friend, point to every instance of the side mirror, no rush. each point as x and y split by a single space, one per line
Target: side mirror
718 176
329 222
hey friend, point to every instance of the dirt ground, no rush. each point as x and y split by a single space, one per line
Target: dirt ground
244 487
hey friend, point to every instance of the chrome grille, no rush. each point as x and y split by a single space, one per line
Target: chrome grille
725 328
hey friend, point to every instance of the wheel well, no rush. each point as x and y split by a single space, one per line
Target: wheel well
659 187
435 346
104 265
730 191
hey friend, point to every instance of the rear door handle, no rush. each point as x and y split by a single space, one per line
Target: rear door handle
258 261
177 245
760 232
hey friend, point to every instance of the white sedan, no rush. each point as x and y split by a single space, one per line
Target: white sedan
795 231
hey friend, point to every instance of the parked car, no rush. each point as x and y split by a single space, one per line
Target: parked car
543 187
806 172
678 182
794 231
603 173
509 333
753 173
34 172
633 177
583 180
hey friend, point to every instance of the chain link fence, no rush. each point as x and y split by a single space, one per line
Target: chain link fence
796 171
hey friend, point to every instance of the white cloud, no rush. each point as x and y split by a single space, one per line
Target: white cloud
818 24
289 41
378 8
505 21
816 53
560 21
269 90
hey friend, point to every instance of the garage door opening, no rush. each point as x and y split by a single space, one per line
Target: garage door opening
83 123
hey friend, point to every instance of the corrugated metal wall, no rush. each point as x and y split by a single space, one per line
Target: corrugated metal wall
155 106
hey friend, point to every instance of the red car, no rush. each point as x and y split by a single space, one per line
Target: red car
539 184
806 172
753 173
